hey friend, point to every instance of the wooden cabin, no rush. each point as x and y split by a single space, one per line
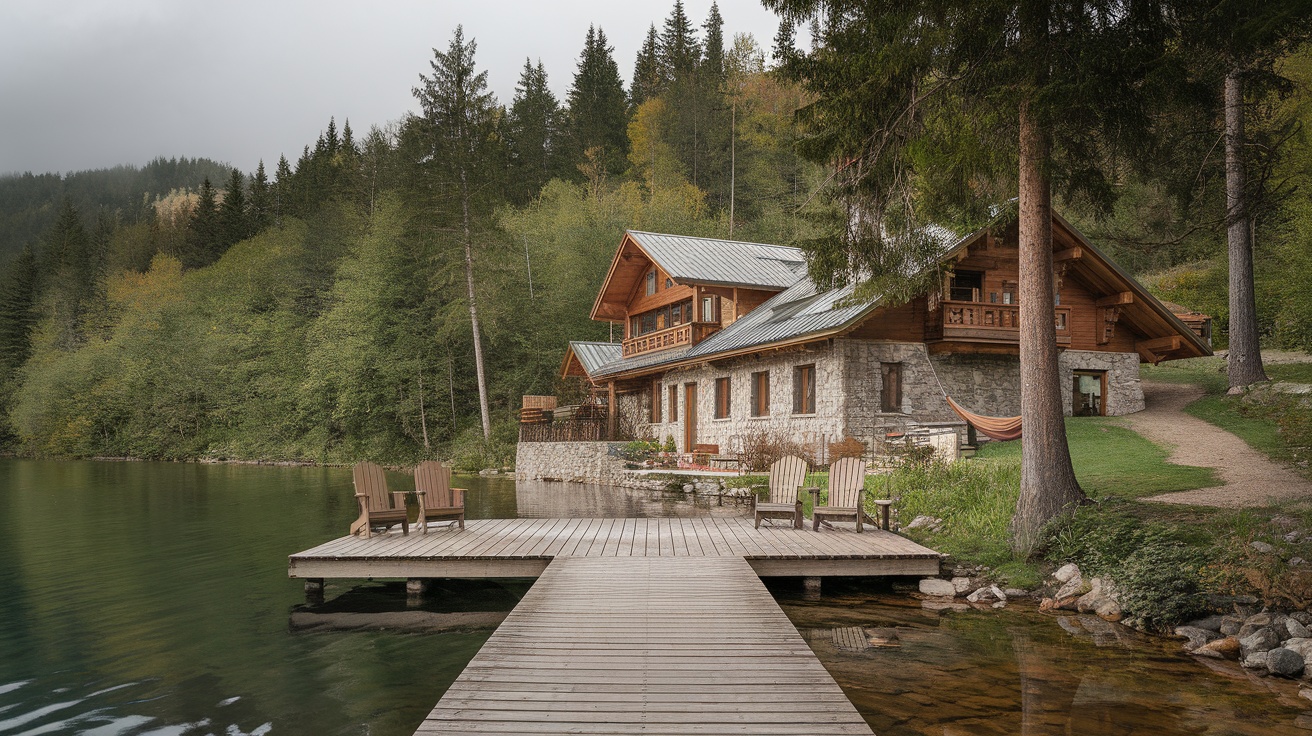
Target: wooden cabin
722 339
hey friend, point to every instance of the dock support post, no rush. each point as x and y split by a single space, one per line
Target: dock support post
314 590
415 588
811 587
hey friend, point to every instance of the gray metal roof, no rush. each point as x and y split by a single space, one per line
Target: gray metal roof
725 262
594 355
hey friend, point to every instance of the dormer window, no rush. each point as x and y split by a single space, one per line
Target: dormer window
651 282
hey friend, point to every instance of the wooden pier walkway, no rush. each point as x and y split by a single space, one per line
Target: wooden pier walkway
650 645
491 548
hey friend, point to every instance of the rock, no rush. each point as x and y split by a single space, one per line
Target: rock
1305 694
1255 661
1066 572
1226 648
937 587
689 488
1211 623
1196 636
1262 547
1260 619
961 585
1015 592
1262 640
1284 662
1230 625
1303 617
1074 588
1101 599
1048 605
997 593
1296 630
1293 537
925 522
1302 646
1297 561
981 595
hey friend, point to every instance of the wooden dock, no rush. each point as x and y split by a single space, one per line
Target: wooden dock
650 645
491 548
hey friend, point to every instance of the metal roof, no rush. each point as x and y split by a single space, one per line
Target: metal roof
724 262
594 355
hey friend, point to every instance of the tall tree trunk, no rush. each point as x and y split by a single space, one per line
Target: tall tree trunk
1245 362
1047 479
473 310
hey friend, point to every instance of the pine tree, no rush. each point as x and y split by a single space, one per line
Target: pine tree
597 106
18 312
261 206
679 50
457 131
204 244
532 133
648 80
282 191
233 223
69 255
712 66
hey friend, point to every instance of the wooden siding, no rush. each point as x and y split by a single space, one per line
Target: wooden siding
904 323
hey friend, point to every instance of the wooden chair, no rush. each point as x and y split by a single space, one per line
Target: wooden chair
847 491
785 502
378 506
437 499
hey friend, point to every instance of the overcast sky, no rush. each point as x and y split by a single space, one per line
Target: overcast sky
93 83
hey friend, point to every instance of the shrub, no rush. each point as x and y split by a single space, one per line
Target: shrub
848 447
761 448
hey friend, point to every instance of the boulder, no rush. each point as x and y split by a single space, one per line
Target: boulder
1066 572
1262 640
937 587
1262 547
1015 592
1230 625
961 585
1284 662
1260 619
1303 617
982 595
1305 693
1302 646
1073 588
1226 648
1101 599
1255 661
1296 630
1211 623
1297 561
925 522
1196 636
997 593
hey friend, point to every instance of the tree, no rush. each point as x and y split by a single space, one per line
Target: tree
648 80
261 202
233 224
679 50
203 230
597 104
457 126
915 103
70 266
18 311
282 191
532 133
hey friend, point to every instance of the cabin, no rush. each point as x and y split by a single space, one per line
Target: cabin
722 339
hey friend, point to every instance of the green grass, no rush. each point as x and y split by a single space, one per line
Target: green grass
1258 429
1292 372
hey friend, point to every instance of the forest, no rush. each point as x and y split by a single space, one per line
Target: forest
390 295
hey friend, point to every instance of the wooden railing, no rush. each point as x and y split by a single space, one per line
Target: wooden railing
571 430
669 337
994 322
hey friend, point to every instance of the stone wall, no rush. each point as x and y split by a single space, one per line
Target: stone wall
1124 391
582 462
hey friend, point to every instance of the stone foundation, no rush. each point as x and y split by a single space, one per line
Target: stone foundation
579 462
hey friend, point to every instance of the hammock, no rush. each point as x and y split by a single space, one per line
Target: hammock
998 428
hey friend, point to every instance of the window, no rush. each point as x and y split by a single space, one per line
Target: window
965 286
674 402
722 398
890 395
804 389
656 402
710 309
761 394
651 282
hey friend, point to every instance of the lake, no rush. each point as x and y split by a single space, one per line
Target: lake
152 598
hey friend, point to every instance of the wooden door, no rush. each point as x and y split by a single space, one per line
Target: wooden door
1089 394
689 416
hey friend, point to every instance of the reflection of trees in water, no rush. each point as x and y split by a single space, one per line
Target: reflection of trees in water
544 499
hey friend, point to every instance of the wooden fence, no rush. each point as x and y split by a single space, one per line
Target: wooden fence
570 430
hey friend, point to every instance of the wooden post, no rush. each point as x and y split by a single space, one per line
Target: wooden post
811 587
314 590
612 412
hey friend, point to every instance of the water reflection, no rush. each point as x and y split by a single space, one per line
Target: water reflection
953 672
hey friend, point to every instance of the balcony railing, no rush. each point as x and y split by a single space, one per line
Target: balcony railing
993 322
669 337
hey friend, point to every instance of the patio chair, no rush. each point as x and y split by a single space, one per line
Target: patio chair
787 475
379 507
847 491
437 499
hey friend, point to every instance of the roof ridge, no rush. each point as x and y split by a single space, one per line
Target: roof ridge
718 240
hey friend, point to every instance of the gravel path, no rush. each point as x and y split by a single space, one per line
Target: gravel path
1251 479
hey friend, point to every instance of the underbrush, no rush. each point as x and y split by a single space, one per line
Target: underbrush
470 452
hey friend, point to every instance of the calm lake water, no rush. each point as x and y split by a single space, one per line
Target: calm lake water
152 598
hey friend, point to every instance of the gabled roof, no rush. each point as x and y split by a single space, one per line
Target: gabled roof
803 313
722 262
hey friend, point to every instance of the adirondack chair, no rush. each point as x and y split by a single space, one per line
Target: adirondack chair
437 499
847 490
378 506
786 478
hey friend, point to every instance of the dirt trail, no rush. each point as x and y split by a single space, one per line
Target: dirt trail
1250 478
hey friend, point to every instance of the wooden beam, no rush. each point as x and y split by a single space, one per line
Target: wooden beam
1147 355
1115 300
612 412
1160 344
1070 254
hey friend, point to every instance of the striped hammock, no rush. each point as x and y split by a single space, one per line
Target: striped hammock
998 428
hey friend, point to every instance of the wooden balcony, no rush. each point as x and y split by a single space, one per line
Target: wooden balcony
983 322
670 337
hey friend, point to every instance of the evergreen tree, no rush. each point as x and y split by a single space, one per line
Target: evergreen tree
261 205
648 79
18 311
204 244
69 254
233 222
457 132
532 133
597 106
282 191
712 67
679 50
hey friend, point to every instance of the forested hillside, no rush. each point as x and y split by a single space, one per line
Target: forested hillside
338 306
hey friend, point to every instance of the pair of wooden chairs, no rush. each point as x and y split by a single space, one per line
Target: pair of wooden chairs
380 507
846 499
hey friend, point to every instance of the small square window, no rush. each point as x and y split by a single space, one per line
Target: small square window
651 282
804 389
